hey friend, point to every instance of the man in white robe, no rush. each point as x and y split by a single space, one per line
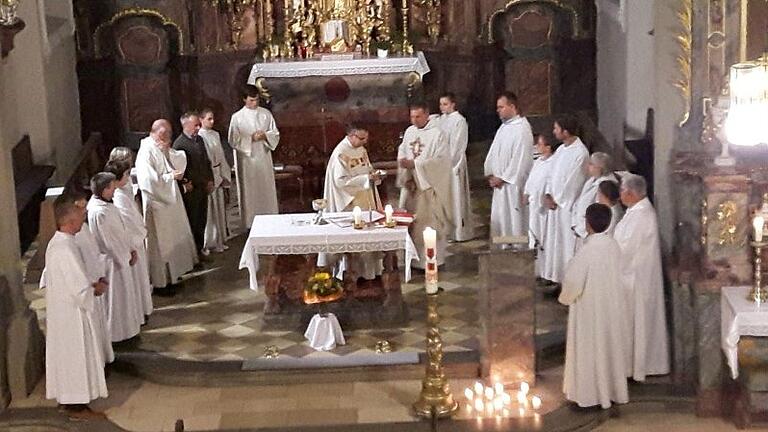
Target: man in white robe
216 223
125 313
170 245
254 136
125 202
595 348
608 194
599 170
638 236
350 181
567 178
74 361
424 179
533 194
506 168
456 131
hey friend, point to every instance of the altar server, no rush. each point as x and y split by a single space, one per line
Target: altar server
124 307
216 222
638 236
507 166
254 136
350 181
608 194
424 179
456 131
599 170
533 194
170 245
74 362
596 343
569 167
134 226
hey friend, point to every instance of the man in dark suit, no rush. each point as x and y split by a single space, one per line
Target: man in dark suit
198 176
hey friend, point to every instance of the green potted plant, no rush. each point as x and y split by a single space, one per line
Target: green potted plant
382 48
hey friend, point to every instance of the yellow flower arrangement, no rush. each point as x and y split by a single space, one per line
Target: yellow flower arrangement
322 287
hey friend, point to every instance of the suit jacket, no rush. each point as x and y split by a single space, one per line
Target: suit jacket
198 171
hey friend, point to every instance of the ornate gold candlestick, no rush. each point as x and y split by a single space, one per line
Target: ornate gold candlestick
435 398
407 46
758 294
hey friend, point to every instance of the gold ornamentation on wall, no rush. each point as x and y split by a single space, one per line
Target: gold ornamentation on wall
433 9
263 25
726 216
684 40
704 221
561 4
131 12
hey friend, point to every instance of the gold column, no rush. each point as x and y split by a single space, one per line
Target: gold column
407 46
435 399
758 294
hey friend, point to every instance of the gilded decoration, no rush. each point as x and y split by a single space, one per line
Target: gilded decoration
704 221
433 9
247 16
726 216
684 40
135 12
575 16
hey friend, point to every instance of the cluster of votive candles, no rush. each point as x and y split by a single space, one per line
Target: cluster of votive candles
495 401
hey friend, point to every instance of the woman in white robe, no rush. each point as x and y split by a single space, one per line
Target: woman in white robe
74 362
253 135
124 306
134 225
599 170
216 222
595 353
534 196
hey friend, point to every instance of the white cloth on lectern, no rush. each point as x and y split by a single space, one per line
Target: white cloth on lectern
324 332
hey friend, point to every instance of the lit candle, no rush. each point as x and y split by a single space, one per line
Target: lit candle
536 402
430 241
430 272
388 213
357 214
521 398
479 388
524 387
498 404
758 223
479 405
488 393
469 394
498 388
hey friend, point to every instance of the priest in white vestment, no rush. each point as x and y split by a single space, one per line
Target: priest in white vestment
350 181
125 202
638 236
456 131
125 313
599 170
170 246
74 360
424 179
216 224
569 167
596 343
254 136
533 194
608 194
507 166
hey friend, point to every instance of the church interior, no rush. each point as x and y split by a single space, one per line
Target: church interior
652 83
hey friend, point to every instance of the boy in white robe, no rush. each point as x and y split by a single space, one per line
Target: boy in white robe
599 170
638 236
216 223
350 181
170 246
533 194
124 306
456 131
424 179
134 225
595 353
507 166
608 194
568 175
254 136
74 361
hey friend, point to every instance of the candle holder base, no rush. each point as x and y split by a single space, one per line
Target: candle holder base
391 224
358 226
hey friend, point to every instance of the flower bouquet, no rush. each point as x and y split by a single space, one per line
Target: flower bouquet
322 288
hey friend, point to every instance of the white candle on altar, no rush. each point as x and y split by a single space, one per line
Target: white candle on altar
430 266
758 223
357 215
388 213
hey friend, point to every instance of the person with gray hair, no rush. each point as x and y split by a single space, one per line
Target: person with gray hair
122 154
638 237
125 313
599 170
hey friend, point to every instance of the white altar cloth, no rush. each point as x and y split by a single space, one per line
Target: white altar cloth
293 234
361 66
740 317
324 332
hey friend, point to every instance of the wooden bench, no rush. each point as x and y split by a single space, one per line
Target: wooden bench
30 184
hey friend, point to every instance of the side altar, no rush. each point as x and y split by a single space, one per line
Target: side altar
294 242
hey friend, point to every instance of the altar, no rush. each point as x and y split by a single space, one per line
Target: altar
295 242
